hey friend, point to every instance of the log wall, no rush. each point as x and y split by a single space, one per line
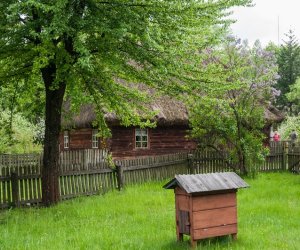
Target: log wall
162 140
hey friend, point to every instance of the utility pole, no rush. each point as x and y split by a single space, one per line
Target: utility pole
278 36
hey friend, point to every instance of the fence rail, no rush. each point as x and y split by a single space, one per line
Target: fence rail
88 172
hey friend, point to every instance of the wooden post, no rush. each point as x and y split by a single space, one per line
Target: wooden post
120 177
15 189
190 164
86 159
285 155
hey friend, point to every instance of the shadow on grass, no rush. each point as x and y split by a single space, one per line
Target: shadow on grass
211 243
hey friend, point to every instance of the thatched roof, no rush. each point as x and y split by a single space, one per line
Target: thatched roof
169 111
273 115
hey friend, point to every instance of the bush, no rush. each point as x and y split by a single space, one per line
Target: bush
17 134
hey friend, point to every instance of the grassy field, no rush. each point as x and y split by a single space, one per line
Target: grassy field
142 217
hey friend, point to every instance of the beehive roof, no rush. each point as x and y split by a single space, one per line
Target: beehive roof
200 183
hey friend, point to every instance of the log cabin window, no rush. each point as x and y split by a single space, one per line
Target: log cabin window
141 138
95 139
66 139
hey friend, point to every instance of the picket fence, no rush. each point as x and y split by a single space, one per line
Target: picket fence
89 172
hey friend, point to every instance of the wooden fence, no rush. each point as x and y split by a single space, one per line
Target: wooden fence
293 158
284 155
88 172
82 172
209 161
276 160
139 170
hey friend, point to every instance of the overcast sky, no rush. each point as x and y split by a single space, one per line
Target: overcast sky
261 21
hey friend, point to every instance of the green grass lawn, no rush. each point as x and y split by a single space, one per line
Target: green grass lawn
142 217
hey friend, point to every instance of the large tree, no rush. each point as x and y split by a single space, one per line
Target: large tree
93 49
231 115
288 59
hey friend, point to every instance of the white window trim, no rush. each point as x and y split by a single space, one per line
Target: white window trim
141 141
66 139
95 138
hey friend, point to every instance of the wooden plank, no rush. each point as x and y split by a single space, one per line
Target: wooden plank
156 165
214 231
214 201
215 217
93 171
182 202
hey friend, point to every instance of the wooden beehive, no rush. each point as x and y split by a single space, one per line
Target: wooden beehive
206 204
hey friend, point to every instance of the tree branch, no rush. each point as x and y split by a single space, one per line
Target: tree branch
125 4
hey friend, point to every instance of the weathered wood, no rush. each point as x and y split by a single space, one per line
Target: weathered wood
204 233
87 172
15 189
120 177
207 183
184 222
201 214
214 217
162 141
156 165
183 202
214 201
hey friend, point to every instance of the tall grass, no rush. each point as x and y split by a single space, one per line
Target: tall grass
142 217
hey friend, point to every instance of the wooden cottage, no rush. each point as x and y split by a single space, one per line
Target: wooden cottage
169 136
206 204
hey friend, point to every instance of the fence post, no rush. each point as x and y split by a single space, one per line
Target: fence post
285 155
190 164
85 159
15 189
120 177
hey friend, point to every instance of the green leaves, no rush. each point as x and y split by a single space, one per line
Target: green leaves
17 134
230 112
97 48
288 59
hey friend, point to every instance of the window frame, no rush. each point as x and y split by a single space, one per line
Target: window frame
138 132
95 139
66 139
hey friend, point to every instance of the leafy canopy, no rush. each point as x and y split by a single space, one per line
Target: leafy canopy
232 113
99 51
288 59
96 48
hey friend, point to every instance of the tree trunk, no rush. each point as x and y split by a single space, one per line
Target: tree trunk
240 147
50 171
242 161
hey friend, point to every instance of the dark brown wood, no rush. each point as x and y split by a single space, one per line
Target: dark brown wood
184 222
120 177
15 189
54 99
191 164
162 140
